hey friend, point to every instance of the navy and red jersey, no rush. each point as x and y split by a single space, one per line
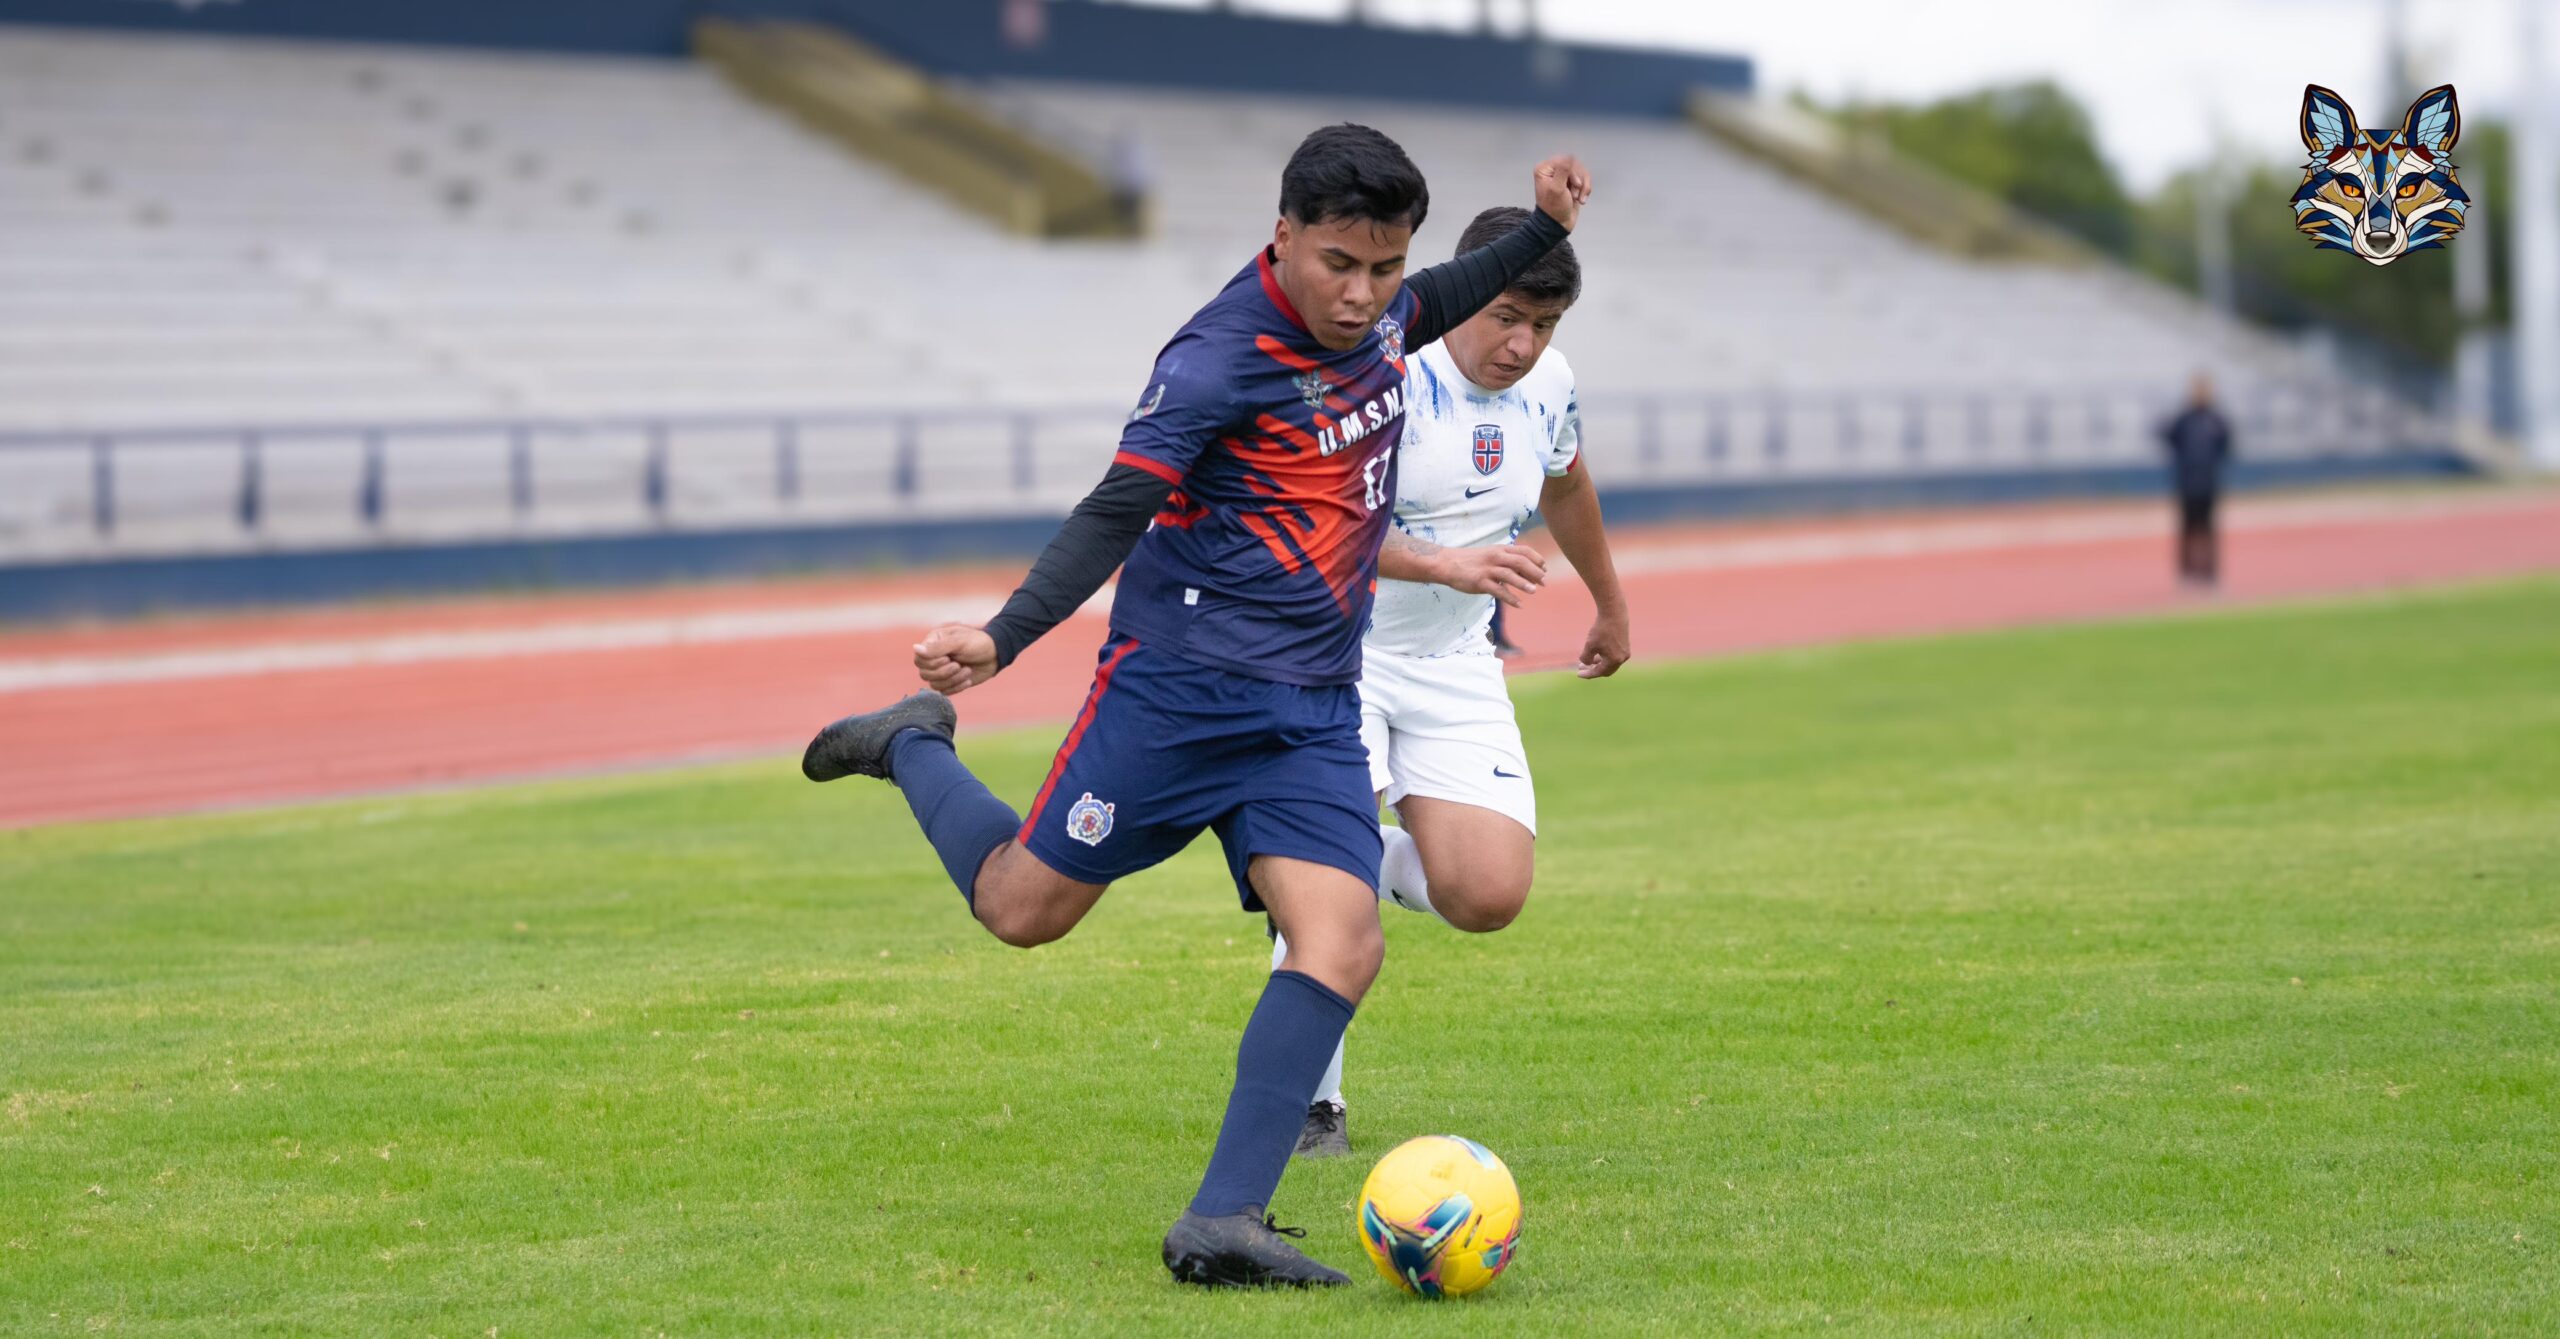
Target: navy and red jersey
1282 454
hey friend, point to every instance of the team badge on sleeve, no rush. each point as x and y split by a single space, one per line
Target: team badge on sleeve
1488 447
1089 820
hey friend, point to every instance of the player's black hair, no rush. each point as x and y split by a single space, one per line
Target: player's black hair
1349 171
1555 276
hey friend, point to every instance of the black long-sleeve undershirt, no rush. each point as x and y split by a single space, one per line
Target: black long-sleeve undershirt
1448 293
1107 524
1084 553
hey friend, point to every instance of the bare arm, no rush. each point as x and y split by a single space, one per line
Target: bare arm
1504 571
1571 505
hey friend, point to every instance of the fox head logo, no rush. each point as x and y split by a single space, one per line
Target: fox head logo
2382 195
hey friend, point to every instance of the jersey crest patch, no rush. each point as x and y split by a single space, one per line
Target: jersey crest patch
1089 820
1312 387
1148 405
1391 338
1488 447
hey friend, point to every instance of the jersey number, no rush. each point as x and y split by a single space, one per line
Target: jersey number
1374 474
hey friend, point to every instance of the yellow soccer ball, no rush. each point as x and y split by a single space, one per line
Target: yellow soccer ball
1440 1216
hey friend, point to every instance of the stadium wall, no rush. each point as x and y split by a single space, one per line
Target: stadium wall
1078 40
109 588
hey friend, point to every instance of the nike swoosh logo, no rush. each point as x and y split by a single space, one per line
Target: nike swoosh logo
1480 492
1507 776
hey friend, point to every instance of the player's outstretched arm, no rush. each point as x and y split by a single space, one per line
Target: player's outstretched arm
1507 572
1571 506
1187 403
1091 546
1445 295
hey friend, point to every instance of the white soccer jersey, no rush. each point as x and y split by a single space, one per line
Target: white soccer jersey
1468 474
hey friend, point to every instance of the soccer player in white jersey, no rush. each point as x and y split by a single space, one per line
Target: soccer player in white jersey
1492 435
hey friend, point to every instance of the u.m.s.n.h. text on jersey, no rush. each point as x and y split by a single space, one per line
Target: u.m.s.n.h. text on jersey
1282 454
1471 470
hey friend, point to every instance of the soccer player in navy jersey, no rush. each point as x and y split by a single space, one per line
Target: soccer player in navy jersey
1249 498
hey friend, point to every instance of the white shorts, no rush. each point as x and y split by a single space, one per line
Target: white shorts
1442 728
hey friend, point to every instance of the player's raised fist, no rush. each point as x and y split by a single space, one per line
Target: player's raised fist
1564 186
955 656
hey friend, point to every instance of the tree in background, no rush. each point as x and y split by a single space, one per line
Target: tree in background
2035 147
2282 280
2031 144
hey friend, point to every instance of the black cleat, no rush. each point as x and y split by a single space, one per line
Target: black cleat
1324 1135
859 745
1242 1250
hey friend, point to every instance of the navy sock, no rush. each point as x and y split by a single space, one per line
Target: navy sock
960 816
1287 1045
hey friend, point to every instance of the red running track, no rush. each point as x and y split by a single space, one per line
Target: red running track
187 714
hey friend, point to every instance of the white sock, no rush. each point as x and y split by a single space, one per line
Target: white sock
1400 879
1329 1089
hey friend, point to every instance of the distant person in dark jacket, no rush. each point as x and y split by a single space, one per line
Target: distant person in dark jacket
2199 445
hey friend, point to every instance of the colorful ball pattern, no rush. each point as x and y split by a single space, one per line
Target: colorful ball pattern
1440 1216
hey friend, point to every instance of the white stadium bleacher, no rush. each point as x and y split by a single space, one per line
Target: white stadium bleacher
255 237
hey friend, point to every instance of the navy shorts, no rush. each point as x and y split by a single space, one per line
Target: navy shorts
1166 747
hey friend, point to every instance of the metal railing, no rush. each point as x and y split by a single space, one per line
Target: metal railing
217 487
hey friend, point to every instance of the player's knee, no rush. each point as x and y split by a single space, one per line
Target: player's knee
1345 958
1482 919
1369 952
1481 903
1359 952
1022 927
1484 914
1021 921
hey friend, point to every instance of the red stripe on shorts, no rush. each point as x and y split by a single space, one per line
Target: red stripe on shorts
1075 735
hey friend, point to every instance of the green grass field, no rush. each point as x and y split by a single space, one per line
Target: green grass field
2188 975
